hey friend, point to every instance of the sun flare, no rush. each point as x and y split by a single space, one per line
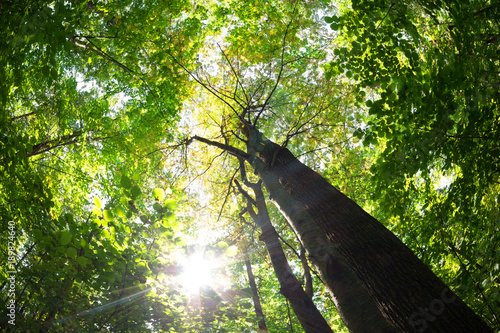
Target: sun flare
197 273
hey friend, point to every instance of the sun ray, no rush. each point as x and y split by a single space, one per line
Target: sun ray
197 273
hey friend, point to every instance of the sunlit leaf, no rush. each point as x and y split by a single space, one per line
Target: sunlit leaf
119 212
158 194
222 245
108 216
97 202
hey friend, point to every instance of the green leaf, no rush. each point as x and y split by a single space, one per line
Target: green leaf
65 238
331 19
222 245
135 191
358 133
97 202
328 19
136 175
106 233
125 182
175 225
170 204
119 212
82 261
158 194
96 211
71 252
69 218
108 216
38 234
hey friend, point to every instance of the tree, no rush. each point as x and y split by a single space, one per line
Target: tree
255 297
308 314
94 159
308 206
358 258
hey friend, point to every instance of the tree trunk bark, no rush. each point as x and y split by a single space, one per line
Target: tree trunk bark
306 311
377 283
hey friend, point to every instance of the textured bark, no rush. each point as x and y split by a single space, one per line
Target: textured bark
378 284
255 297
306 311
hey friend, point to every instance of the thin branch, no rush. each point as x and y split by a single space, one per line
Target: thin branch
390 8
245 193
237 136
291 247
476 284
204 171
97 37
22 116
279 75
230 149
67 173
185 142
227 194
198 80
45 147
236 75
95 49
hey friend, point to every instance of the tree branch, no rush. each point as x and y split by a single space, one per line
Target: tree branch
230 149
95 49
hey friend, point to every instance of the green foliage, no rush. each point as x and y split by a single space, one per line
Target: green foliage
90 94
83 99
90 91
428 70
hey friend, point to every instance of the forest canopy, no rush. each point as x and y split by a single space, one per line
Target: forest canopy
130 198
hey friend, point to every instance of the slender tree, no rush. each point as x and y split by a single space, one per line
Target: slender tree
306 311
255 296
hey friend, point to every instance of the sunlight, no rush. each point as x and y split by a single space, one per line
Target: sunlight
197 273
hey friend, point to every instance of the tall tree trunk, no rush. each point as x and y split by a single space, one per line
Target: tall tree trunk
378 284
255 297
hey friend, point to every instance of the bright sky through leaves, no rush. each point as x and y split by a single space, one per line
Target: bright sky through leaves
197 273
